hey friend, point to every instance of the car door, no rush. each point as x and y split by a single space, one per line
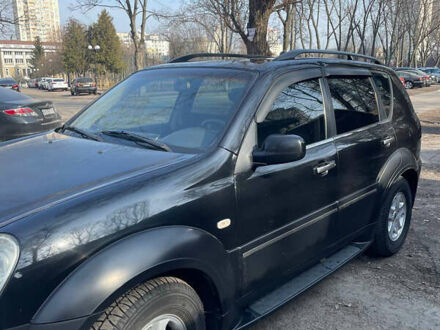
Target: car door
364 141
287 212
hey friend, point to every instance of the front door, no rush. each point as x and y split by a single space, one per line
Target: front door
364 141
287 212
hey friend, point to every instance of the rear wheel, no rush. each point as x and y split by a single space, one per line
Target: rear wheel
164 303
394 219
409 85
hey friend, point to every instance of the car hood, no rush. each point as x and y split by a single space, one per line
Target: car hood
43 169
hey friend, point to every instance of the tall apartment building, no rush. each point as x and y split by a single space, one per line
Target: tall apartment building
36 18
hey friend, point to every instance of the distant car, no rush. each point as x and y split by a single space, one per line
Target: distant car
57 84
83 85
10 83
433 72
46 83
426 78
43 83
411 79
21 115
31 83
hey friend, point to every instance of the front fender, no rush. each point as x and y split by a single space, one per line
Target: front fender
146 254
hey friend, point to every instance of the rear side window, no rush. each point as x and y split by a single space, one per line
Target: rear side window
383 84
354 102
299 110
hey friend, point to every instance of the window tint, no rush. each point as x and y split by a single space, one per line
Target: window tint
299 110
354 102
383 85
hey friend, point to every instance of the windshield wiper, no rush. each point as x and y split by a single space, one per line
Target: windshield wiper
138 139
81 132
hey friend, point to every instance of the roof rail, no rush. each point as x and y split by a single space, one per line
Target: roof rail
293 54
186 58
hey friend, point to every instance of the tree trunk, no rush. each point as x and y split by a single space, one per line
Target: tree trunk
259 12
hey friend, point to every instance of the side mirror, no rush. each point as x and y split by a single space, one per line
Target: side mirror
278 149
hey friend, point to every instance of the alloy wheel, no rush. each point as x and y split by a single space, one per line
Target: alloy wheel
397 216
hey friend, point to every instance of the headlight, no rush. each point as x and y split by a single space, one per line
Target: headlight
9 252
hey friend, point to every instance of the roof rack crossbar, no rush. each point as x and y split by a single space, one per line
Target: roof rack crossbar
189 57
293 54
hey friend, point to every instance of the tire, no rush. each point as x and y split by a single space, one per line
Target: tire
166 297
388 242
409 85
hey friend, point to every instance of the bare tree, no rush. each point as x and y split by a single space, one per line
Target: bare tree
286 11
7 19
249 19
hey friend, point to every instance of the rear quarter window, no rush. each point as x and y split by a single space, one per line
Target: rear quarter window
383 84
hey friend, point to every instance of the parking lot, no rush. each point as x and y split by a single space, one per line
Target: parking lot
401 292
66 104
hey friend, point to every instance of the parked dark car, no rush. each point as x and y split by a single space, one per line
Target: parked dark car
433 72
9 83
21 115
411 79
204 195
425 77
83 85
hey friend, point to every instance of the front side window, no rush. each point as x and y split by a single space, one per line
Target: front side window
186 109
354 103
383 84
298 110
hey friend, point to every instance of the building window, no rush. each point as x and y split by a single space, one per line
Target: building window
8 61
18 53
7 52
19 61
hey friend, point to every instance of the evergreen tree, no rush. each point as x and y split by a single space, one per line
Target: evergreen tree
109 58
37 58
74 54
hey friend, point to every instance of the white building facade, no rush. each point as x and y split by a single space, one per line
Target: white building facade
15 57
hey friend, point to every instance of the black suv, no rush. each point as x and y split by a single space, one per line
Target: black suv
204 195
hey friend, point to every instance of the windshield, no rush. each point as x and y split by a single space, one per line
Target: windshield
186 109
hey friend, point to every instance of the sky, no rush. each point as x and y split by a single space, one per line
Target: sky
120 19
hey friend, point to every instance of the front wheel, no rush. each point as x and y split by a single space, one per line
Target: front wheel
394 219
164 303
409 85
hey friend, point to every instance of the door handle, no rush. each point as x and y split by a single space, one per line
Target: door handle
323 169
388 140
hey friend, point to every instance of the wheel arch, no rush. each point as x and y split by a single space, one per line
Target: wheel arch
184 252
402 163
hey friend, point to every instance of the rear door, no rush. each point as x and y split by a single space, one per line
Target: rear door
364 141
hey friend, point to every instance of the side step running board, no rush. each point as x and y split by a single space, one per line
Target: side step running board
300 283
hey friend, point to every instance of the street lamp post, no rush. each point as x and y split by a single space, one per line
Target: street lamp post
95 48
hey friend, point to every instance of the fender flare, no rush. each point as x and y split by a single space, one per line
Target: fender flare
148 254
400 161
